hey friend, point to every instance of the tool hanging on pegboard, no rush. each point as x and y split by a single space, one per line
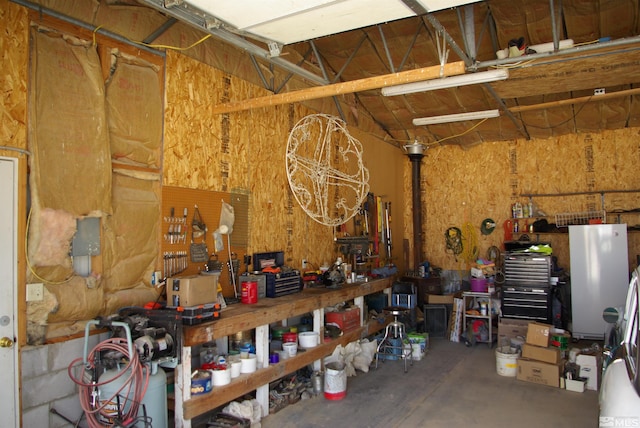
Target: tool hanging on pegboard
453 240
387 225
199 252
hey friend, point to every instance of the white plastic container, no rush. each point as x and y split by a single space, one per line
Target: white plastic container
290 348
507 361
308 339
249 364
235 368
221 377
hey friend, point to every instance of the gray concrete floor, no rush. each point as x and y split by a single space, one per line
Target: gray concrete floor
452 385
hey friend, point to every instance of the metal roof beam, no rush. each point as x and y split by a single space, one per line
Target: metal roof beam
200 23
452 43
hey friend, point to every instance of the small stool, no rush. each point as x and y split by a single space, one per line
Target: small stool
392 344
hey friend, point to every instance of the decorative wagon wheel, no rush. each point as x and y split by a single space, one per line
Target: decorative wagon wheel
325 169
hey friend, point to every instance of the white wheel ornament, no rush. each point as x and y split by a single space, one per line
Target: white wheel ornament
325 169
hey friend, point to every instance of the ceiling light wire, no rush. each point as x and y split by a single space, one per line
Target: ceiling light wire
458 135
151 45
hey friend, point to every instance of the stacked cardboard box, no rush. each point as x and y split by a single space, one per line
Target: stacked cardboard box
511 328
540 363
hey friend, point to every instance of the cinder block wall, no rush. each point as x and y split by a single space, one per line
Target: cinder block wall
46 384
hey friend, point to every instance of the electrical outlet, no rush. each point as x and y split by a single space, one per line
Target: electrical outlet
304 263
35 292
599 91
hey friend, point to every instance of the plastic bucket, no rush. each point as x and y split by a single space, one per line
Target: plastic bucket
335 381
290 337
506 361
479 285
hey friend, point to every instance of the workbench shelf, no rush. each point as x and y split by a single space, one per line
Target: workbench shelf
259 316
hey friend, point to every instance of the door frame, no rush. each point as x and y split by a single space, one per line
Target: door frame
19 274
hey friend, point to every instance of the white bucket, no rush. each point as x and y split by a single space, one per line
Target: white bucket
335 381
507 361
248 365
235 368
308 339
291 348
221 377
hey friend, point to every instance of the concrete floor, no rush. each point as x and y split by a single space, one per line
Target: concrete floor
452 385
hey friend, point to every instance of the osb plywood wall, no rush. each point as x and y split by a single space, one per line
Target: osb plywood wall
463 187
13 79
238 151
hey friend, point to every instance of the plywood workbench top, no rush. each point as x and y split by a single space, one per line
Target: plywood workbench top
242 317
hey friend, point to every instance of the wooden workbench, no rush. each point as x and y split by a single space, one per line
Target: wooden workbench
259 316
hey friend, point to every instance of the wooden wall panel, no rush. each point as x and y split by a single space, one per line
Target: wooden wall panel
242 151
13 79
484 181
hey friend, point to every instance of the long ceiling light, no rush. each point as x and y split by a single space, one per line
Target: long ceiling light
457 117
446 82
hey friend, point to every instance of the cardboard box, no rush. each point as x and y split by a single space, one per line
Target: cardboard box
509 328
192 290
590 366
538 353
539 372
445 299
538 334
574 385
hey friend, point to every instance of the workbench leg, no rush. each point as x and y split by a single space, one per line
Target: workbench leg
359 302
318 327
182 388
262 357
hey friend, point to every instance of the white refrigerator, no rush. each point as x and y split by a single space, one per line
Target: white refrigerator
599 276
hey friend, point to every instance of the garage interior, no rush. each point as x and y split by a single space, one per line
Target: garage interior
411 144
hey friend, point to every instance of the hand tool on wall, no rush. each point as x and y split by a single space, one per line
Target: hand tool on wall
387 215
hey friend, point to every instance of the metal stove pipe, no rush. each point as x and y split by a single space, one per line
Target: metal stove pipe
416 153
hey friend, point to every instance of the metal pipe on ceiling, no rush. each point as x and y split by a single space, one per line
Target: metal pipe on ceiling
159 31
546 55
236 41
386 49
68 19
554 29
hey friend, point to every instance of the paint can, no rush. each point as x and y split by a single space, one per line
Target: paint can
507 361
249 292
335 381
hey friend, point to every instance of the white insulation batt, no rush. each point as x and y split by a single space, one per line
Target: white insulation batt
85 128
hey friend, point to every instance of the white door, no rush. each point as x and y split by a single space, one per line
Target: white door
9 405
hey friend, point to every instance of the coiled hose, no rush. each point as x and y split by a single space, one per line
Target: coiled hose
134 382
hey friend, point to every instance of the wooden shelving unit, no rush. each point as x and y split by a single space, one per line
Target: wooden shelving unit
259 316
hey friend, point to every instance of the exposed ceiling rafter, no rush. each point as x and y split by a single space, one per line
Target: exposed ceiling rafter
426 73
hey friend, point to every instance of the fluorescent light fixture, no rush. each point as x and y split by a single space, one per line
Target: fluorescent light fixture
446 82
457 117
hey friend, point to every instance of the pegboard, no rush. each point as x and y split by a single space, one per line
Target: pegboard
175 246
